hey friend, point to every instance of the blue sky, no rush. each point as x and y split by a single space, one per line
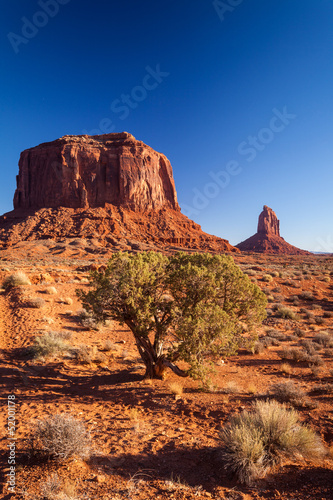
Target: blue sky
239 98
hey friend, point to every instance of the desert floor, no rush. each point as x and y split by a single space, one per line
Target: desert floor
159 439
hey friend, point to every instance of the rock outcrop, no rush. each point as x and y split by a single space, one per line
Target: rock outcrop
268 222
268 239
110 188
90 171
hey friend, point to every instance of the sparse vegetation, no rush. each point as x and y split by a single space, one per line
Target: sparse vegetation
49 344
288 392
255 441
35 303
16 279
286 313
60 437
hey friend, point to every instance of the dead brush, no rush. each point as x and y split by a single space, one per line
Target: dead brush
83 354
60 437
55 489
288 392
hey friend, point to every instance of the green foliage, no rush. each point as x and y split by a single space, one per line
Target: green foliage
255 441
183 307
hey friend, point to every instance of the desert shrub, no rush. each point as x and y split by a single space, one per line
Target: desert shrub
83 354
51 290
315 360
289 283
53 488
255 441
267 278
16 279
328 314
35 303
60 437
299 332
49 344
324 339
310 347
319 320
293 354
268 341
306 296
91 324
276 334
288 392
189 308
323 389
286 313
258 347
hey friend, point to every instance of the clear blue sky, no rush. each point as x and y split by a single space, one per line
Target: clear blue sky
218 80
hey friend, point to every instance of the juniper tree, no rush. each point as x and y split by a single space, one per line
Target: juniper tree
188 308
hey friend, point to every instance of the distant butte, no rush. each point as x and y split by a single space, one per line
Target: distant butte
109 188
267 239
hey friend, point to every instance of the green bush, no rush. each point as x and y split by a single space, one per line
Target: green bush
255 441
183 307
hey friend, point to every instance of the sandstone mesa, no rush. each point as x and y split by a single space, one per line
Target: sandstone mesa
111 188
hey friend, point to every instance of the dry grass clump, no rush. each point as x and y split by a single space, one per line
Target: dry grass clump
54 489
293 354
49 344
109 346
231 387
306 296
288 392
267 278
176 388
286 313
256 441
83 354
286 368
66 300
16 279
324 339
35 303
60 437
51 290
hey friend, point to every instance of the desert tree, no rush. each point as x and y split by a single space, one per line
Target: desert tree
188 308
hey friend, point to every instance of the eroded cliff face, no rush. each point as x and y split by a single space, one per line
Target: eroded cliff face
91 171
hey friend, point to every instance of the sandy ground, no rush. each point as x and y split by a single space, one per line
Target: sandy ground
157 439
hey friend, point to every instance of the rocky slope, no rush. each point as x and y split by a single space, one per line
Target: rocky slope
268 239
110 188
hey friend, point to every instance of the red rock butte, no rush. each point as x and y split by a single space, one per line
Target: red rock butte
268 239
109 187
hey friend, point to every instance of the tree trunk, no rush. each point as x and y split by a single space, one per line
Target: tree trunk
155 362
